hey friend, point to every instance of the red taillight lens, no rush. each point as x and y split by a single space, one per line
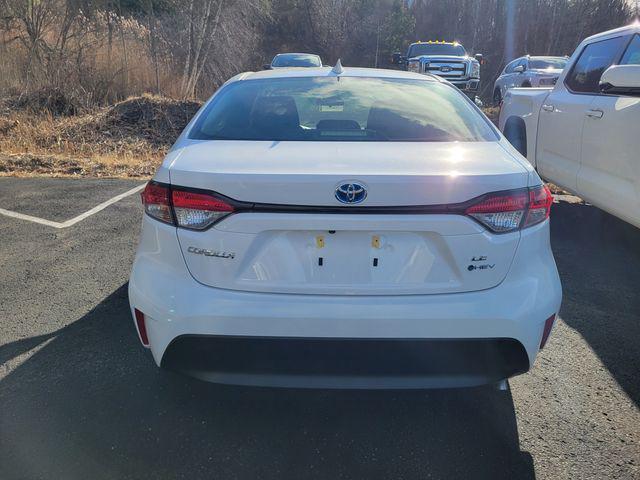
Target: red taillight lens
548 325
540 200
507 211
190 209
142 327
156 200
501 212
198 210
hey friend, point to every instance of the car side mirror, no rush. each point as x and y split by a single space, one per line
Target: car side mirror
519 69
398 59
621 80
266 66
480 58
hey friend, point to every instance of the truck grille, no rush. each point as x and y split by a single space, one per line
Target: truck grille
445 69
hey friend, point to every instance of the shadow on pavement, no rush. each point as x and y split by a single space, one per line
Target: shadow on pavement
91 404
598 258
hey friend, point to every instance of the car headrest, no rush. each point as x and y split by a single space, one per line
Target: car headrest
275 115
393 126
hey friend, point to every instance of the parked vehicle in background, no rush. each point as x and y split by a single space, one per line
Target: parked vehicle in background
528 71
448 60
584 135
287 60
311 227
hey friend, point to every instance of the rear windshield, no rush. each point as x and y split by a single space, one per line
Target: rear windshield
543 64
341 109
296 60
436 49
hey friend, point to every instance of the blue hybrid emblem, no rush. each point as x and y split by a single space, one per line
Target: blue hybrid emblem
351 193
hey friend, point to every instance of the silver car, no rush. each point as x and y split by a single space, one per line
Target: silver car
287 60
528 71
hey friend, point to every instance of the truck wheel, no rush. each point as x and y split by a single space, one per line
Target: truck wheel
497 97
516 132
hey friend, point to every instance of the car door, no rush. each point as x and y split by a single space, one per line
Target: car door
523 77
516 77
564 112
505 78
609 175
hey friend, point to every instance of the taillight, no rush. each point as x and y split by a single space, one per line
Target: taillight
540 200
503 212
198 210
157 202
183 208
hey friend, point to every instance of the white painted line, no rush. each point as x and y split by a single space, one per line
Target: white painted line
74 220
102 206
29 218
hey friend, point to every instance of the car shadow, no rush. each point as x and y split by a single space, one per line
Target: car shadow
598 257
90 403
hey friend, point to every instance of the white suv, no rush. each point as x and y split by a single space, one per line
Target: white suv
349 228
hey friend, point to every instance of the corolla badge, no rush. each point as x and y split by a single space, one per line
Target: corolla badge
351 192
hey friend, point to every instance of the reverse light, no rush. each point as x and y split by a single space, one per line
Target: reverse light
503 212
183 208
198 210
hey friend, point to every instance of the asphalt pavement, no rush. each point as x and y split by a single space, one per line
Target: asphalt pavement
80 398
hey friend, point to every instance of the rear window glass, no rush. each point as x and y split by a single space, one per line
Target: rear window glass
341 109
543 64
418 49
296 60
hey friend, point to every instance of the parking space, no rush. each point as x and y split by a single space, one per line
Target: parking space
80 398
58 199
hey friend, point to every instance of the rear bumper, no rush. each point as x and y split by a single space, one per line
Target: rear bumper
346 363
175 306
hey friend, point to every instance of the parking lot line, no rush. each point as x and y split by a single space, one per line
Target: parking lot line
76 219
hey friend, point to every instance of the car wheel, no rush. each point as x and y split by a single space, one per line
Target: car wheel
497 97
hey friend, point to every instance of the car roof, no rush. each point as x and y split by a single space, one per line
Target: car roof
546 56
435 42
628 29
285 54
328 72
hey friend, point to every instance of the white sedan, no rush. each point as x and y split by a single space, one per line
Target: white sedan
344 228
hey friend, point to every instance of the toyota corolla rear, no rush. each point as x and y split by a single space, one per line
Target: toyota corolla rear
344 228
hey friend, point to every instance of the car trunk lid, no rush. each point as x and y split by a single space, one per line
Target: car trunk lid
292 235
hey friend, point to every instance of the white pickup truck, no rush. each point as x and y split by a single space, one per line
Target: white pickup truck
584 133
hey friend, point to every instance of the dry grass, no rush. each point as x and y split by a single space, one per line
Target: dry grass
128 139
492 113
38 136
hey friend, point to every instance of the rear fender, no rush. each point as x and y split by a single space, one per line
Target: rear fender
519 118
